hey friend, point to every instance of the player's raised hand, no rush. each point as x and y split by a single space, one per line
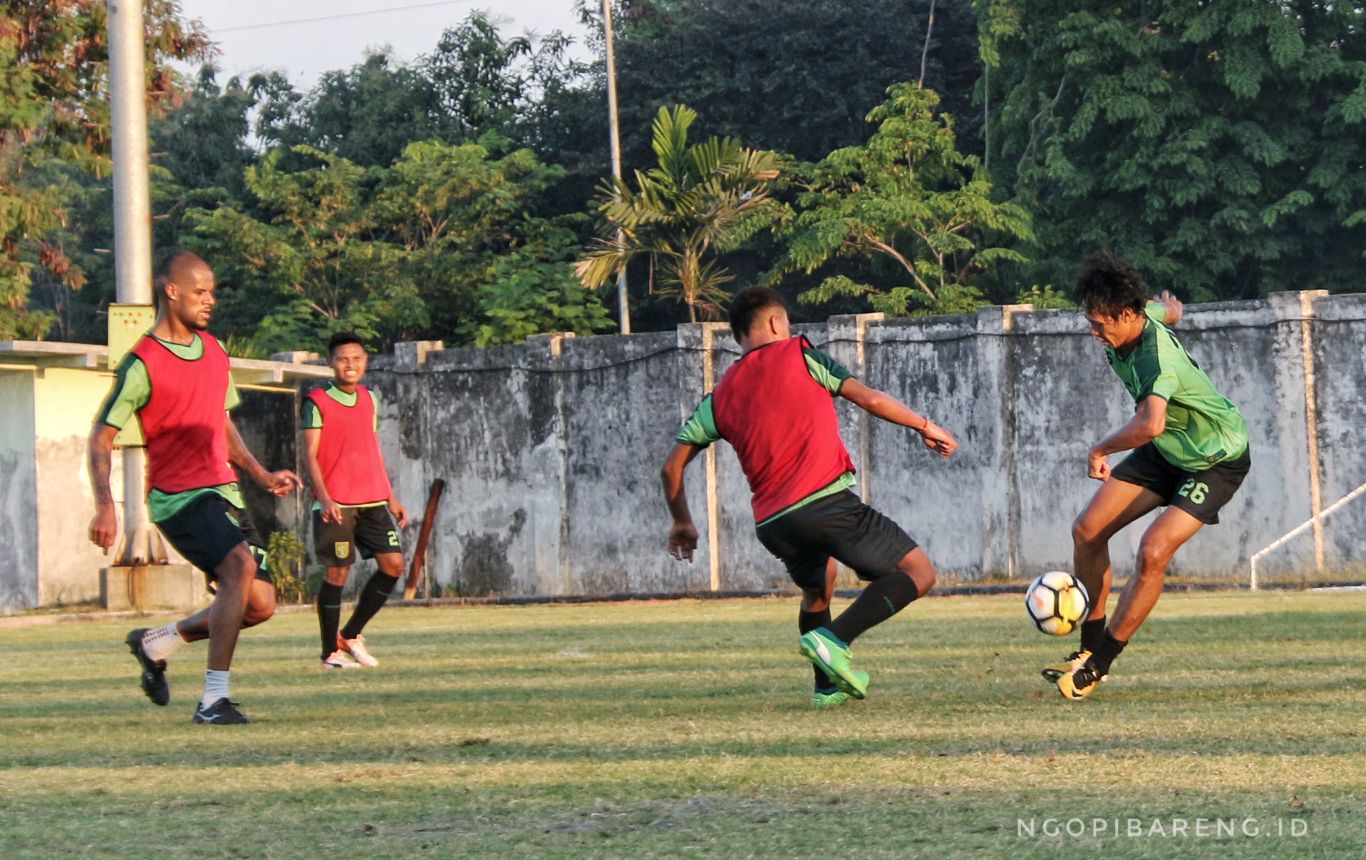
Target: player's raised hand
1171 306
682 541
938 439
282 483
104 527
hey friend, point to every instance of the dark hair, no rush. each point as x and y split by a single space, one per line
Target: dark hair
747 304
342 338
173 267
1108 286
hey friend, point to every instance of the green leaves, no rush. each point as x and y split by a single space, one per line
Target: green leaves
54 124
1216 145
909 197
699 200
440 244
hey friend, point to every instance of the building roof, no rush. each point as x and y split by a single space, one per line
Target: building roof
251 372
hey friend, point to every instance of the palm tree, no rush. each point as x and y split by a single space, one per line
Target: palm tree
702 199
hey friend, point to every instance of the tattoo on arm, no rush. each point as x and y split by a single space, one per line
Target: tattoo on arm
100 462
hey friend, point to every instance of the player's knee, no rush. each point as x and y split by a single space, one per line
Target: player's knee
1153 556
920 569
390 564
1084 531
260 606
236 570
924 579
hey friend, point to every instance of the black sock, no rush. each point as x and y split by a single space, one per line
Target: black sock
1106 652
1091 633
806 622
372 597
881 599
329 616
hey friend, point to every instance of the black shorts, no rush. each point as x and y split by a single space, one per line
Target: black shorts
208 528
372 530
838 525
1200 494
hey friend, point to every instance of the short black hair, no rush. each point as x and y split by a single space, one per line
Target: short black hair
1108 286
747 304
342 338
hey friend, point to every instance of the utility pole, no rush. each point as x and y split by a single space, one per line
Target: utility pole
623 303
132 234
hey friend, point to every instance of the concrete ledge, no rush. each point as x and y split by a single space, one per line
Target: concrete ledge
153 586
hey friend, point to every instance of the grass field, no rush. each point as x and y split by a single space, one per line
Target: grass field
679 729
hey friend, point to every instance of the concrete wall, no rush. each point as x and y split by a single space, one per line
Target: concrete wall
551 450
18 485
65 404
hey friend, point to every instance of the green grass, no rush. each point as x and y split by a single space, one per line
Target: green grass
678 729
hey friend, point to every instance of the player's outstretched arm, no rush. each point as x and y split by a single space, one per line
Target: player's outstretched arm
104 527
888 408
682 534
1149 420
278 483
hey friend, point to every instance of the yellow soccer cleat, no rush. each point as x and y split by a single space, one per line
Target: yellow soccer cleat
1079 683
1053 671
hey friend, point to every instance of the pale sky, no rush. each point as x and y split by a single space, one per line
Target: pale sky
262 35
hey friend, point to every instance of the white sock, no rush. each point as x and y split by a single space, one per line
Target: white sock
215 686
162 642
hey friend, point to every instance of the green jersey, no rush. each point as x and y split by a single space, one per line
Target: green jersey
1203 426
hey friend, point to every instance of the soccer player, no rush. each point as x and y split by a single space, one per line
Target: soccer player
356 507
775 406
1189 452
177 381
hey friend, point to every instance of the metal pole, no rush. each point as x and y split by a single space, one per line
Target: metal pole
132 230
623 303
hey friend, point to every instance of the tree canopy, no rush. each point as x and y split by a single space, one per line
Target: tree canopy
1218 146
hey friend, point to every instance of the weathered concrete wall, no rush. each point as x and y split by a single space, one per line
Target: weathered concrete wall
551 450
65 404
18 485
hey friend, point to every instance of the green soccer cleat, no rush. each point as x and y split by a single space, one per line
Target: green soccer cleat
1053 671
831 698
1080 682
832 658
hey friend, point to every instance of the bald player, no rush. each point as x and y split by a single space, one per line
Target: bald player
177 382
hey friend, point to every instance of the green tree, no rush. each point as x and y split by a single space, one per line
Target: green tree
909 199
474 82
442 244
700 200
791 77
1217 145
55 135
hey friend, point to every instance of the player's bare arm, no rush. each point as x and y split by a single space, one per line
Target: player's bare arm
104 526
331 511
396 508
1149 420
888 408
398 511
279 483
683 534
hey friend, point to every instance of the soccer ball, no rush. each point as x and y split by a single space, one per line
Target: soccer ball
1056 602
